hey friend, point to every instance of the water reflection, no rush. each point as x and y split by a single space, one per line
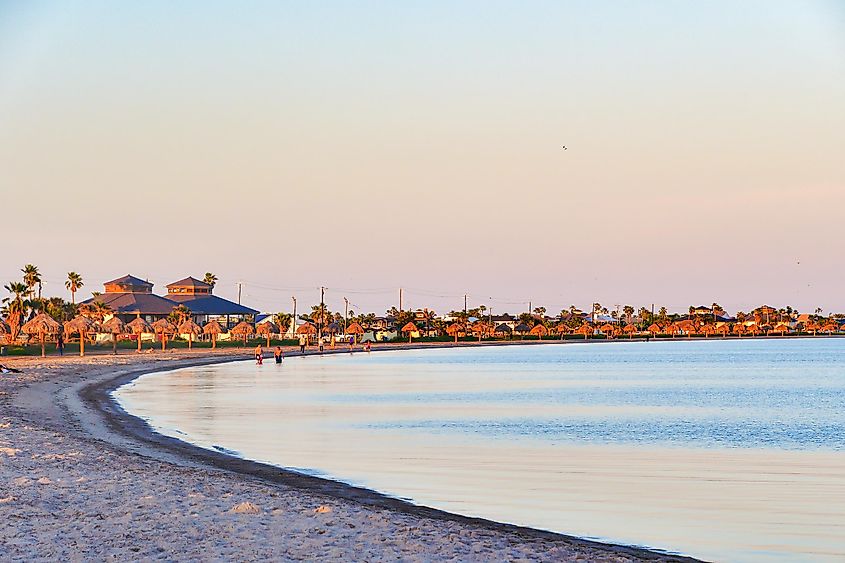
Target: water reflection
723 450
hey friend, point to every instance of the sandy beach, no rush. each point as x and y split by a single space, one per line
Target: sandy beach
78 483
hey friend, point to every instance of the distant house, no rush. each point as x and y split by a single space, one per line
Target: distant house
129 297
505 319
198 296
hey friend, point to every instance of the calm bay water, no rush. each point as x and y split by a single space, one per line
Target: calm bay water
724 450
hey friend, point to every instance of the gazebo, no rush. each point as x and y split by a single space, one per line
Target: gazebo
243 329
139 326
42 325
80 325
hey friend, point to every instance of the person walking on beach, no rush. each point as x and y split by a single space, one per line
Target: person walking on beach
278 354
332 342
302 342
259 355
351 342
60 344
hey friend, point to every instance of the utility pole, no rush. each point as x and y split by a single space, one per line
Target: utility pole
465 304
400 299
293 323
529 307
345 314
652 313
239 292
322 313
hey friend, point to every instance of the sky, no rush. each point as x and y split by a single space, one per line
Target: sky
368 146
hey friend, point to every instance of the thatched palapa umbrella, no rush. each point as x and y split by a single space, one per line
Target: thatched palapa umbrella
630 329
266 328
355 329
410 328
608 329
212 328
80 325
454 329
521 329
539 331
42 325
115 327
163 327
244 329
139 326
562 329
192 329
503 330
655 329
307 328
586 329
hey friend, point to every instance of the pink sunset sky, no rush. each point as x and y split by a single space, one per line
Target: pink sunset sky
371 146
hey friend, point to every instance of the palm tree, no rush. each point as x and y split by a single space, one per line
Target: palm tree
662 313
15 308
31 277
283 320
73 283
210 279
629 313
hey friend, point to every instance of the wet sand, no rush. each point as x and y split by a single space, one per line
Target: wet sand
80 480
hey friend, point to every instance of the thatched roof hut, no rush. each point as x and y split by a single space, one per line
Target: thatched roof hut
212 328
163 326
454 329
630 328
562 328
585 329
830 327
42 325
522 328
655 328
306 328
79 325
503 329
114 326
354 328
190 327
539 331
243 328
410 327
139 326
266 327
332 328
607 328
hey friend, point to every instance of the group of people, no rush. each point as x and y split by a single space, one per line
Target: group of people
278 354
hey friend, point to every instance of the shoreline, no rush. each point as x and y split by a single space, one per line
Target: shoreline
81 402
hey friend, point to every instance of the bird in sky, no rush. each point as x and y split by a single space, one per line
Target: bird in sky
564 147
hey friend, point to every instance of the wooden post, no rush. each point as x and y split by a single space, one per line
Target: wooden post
213 340
43 338
114 343
190 340
81 342
139 341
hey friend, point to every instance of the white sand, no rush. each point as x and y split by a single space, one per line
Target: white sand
70 489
